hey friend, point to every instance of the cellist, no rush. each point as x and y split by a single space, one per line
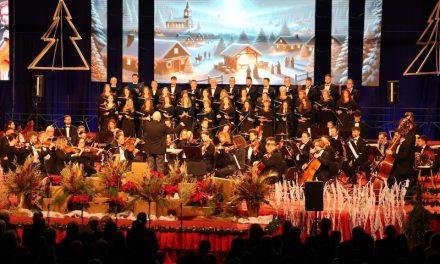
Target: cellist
324 157
273 159
404 159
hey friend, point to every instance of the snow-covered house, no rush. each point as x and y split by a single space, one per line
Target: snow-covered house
336 41
130 57
170 56
288 43
186 40
240 55
183 23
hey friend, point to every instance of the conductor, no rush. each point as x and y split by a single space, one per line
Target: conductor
155 141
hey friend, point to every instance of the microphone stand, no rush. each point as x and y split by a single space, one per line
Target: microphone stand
239 124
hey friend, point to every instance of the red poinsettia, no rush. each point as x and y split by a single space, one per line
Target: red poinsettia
55 179
157 174
171 190
129 187
119 201
199 199
80 199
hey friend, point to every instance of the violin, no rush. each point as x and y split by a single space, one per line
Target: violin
255 147
130 144
71 150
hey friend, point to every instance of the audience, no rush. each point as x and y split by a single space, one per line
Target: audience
100 242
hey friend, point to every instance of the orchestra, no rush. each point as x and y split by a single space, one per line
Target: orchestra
308 128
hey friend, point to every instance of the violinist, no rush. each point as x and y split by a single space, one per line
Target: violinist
184 139
303 111
46 147
265 116
70 131
382 142
255 149
122 152
126 115
87 157
273 159
108 110
34 147
337 142
238 151
111 126
208 150
4 141
204 127
404 159
64 154
305 146
357 156
223 159
413 129
246 117
11 153
50 133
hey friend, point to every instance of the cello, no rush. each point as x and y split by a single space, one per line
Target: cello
312 167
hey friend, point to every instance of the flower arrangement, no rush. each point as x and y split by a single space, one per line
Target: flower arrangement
206 193
253 189
170 190
117 204
77 202
54 179
130 187
74 185
112 176
26 183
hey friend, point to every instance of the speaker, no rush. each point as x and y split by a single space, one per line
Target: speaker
393 91
314 195
38 81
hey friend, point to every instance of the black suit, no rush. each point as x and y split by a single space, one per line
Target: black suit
155 143
404 159
363 126
73 134
216 94
326 170
312 94
354 94
305 153
10 154
357 163
176 93
232 90
252 93
334 90
270 91
274 162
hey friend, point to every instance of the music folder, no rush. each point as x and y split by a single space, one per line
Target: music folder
193 153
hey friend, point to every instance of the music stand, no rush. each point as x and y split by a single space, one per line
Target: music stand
193 153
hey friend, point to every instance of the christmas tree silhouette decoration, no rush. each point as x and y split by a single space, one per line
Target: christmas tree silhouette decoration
430 41
56 40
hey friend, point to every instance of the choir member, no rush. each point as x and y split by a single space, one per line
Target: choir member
242 98
232 89
251 90
167 109
165 92
345 108
214 90
106 92
304 114
325 107
267 89
226 112
124 97
126 116
328 85
246 117
260 101
145 114
284 120
291 92
108 111
208 149
354 93
310 90
135 86
155 92
207 112
174 89
185 112
194 91
144 96
115 88
265 116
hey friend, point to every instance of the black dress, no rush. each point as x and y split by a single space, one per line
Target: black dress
303 126
188 121
248 122
283 126
127 124
346 118
106 115
227 116
267 126
323 116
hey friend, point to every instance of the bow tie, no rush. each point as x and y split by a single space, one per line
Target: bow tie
68 126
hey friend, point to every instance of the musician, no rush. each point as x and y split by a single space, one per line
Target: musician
121 152
108 111
328 85
155 141
155 92
255 149
11 153
135 86
328 147
325 107
421 145
184 139
413 129
337 142
319 152
174 89
70 131
64 154
47 153
194 92
425 154
273 159
267 89
284 120
357 156
115 88
265 117
357 122
304 146
214 90
208 149
345 108
126 116
86 157
404 159
251 91
224 163
382 142
310 90
185 112
238 151
354 93
232 89
303 113
226 112
246 117
33 147
112 125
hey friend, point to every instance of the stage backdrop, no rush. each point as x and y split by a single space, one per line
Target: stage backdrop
339 48
4 40
99 41
223 38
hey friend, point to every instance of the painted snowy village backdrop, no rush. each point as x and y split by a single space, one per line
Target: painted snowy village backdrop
372 37
339 42
223 38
